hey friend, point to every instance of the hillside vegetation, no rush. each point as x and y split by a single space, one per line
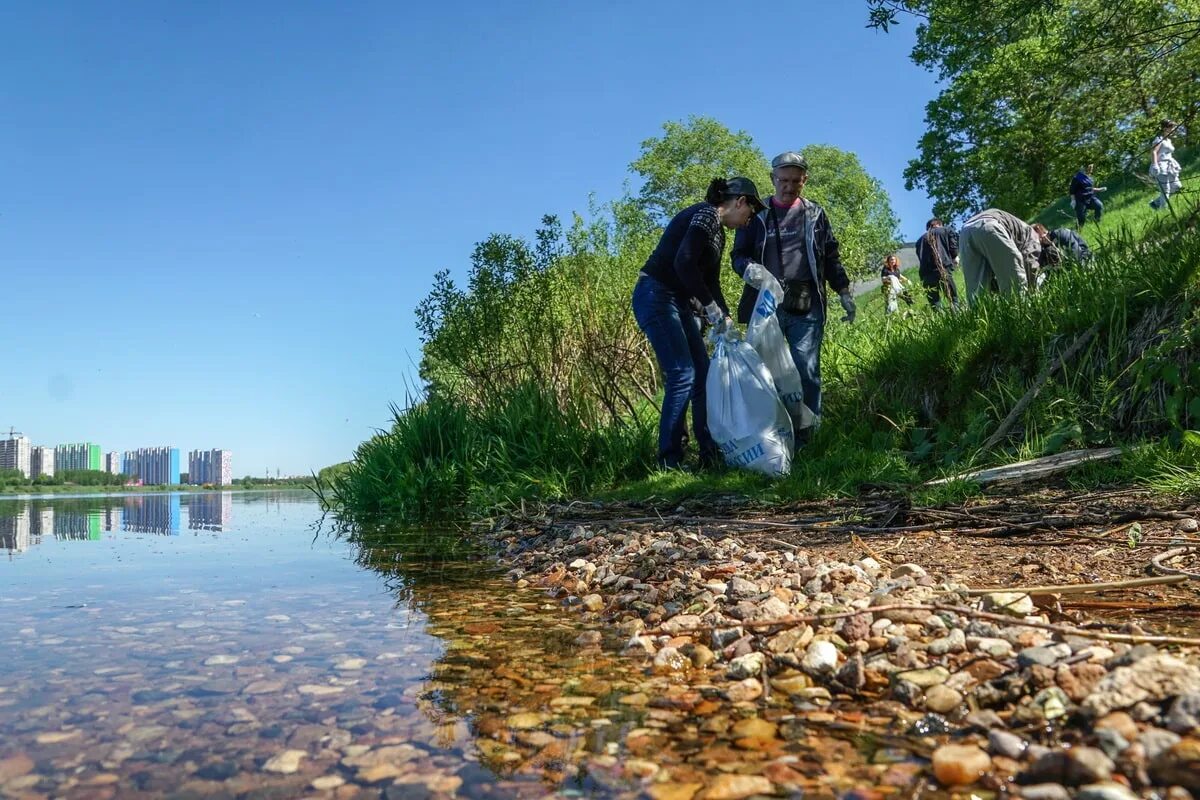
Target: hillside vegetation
907 397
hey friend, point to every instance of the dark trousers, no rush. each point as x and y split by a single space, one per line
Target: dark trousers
933 291
674 333
1082 206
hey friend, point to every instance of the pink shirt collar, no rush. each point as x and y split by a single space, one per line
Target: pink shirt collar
778 204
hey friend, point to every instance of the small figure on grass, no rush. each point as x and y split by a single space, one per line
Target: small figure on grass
1083 192
894 285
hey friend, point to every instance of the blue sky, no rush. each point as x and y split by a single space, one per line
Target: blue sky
216 218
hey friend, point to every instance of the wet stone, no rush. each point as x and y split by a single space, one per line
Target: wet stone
218 771
1044 656
1105 791
1045 791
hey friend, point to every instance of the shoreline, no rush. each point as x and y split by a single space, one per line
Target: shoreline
108 491
852 620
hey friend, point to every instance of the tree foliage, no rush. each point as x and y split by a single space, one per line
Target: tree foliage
1036 88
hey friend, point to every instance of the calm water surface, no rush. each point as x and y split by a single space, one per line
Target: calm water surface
224 645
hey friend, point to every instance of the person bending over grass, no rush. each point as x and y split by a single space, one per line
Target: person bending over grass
681 274
1002 253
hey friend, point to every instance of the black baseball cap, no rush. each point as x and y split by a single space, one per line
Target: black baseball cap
744 187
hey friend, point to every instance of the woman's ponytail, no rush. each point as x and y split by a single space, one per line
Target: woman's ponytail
717 190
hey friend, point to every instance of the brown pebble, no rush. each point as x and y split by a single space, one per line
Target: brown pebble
960 764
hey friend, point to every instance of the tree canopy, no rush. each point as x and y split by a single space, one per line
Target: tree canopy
1036 88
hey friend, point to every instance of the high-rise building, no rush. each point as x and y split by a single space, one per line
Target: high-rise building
14 453
113 463
41 462
77 456
210 466
153 465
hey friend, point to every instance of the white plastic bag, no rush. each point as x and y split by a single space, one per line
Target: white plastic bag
745 415
766 337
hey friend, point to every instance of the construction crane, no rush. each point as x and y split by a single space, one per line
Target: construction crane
13 432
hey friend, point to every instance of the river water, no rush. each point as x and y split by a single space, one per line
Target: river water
229 645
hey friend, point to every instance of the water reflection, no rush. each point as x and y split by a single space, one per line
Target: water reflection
24 523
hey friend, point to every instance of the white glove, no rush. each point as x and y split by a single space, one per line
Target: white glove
848 306
714 314
754 274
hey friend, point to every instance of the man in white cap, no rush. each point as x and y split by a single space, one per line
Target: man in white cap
792 239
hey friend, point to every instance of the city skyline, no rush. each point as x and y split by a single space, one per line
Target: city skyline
151 465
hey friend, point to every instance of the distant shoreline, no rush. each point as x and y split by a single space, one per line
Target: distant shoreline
35 492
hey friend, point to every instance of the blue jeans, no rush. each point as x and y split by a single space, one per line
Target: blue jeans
804 333
1082 206
674 333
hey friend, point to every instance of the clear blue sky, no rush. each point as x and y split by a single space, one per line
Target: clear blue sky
216 218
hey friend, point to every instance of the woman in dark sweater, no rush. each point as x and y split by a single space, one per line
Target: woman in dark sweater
683 274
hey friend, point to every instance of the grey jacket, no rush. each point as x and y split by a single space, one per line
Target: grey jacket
1022 235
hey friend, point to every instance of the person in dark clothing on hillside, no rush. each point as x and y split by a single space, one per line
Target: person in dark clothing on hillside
936 252
793 240
1083 195
684 270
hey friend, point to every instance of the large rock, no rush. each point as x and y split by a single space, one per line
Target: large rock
737 787
1184 715
1017 604
960 764
1179 765
1151 679
746 666
682 622
1107 790
821 658
1074 767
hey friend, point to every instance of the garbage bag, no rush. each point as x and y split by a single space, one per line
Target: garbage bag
746 417
766 337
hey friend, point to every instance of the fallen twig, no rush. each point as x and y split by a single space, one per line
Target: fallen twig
1082 588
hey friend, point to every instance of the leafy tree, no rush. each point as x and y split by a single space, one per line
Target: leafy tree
677 167
1036 88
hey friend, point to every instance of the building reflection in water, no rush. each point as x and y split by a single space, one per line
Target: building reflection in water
211 511
16 532
150 513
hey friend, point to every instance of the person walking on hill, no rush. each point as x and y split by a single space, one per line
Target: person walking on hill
1002 253
937 251
681 275
792 239
1163 166
894 284
1083 195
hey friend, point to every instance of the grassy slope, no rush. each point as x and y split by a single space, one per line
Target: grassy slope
882 358
1127 204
